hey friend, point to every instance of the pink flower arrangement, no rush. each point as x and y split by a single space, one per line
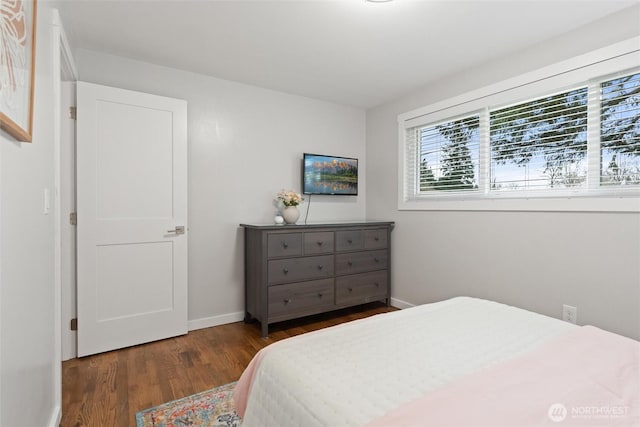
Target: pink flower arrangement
289 197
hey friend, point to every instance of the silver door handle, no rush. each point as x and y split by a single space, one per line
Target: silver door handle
178 230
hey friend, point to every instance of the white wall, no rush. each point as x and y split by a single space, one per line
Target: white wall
27 361
245 144
534 260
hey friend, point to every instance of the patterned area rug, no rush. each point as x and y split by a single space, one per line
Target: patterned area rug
211 408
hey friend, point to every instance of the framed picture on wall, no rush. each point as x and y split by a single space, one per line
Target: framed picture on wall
17 66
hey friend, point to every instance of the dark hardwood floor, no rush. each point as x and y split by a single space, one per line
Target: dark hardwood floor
108 389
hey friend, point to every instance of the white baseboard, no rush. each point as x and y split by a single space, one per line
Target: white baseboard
221 319
56 417
398 303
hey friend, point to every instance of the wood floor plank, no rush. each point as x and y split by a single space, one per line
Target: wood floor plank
108 389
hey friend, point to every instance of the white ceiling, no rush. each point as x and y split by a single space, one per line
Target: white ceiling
345 51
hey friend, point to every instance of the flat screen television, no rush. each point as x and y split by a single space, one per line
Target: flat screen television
329 175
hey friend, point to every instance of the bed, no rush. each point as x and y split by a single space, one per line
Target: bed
463 361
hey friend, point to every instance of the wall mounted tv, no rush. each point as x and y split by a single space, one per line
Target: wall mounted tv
329 175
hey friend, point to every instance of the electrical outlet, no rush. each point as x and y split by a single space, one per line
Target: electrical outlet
569 313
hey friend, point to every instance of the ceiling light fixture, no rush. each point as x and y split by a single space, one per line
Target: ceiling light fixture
378 1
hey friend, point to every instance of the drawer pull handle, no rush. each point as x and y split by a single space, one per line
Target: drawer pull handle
376 260
320 267
320 243
350 289
350 263
285 270
285 245
287 301
349 241
377 284
376 238
319 295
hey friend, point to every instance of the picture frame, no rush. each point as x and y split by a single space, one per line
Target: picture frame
17 67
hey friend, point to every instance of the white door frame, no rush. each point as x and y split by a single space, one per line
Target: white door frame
63 70
67 230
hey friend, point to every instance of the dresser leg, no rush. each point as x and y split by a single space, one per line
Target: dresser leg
248 318
265 329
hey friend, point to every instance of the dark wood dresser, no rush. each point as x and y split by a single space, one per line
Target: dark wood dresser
298 270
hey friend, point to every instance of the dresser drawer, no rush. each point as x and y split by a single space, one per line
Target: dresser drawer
296 269
299 299
349 240
318 243
364 287
375 239
284 244
359 262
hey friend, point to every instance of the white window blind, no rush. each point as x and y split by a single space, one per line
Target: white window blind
445 155
620 131
540 144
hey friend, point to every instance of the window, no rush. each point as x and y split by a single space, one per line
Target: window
540 144
571 135
449 155
620 131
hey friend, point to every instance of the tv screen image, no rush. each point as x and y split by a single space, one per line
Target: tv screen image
329 175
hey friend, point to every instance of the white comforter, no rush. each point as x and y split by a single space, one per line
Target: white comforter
356 372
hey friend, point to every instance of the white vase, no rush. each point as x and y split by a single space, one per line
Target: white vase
290 214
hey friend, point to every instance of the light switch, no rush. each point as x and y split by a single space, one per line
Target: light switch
46 206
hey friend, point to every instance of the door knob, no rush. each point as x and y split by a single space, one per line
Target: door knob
178 230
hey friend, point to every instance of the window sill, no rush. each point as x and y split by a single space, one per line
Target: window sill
542 204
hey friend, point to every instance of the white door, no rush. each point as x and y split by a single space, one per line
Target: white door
132 218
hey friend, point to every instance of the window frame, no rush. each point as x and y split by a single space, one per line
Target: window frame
588 69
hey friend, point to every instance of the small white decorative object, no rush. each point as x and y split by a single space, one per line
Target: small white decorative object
290 214
279 219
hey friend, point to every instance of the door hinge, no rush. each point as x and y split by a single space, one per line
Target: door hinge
74 324
72 112
73 218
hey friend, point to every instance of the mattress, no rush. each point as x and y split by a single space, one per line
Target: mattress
354 373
